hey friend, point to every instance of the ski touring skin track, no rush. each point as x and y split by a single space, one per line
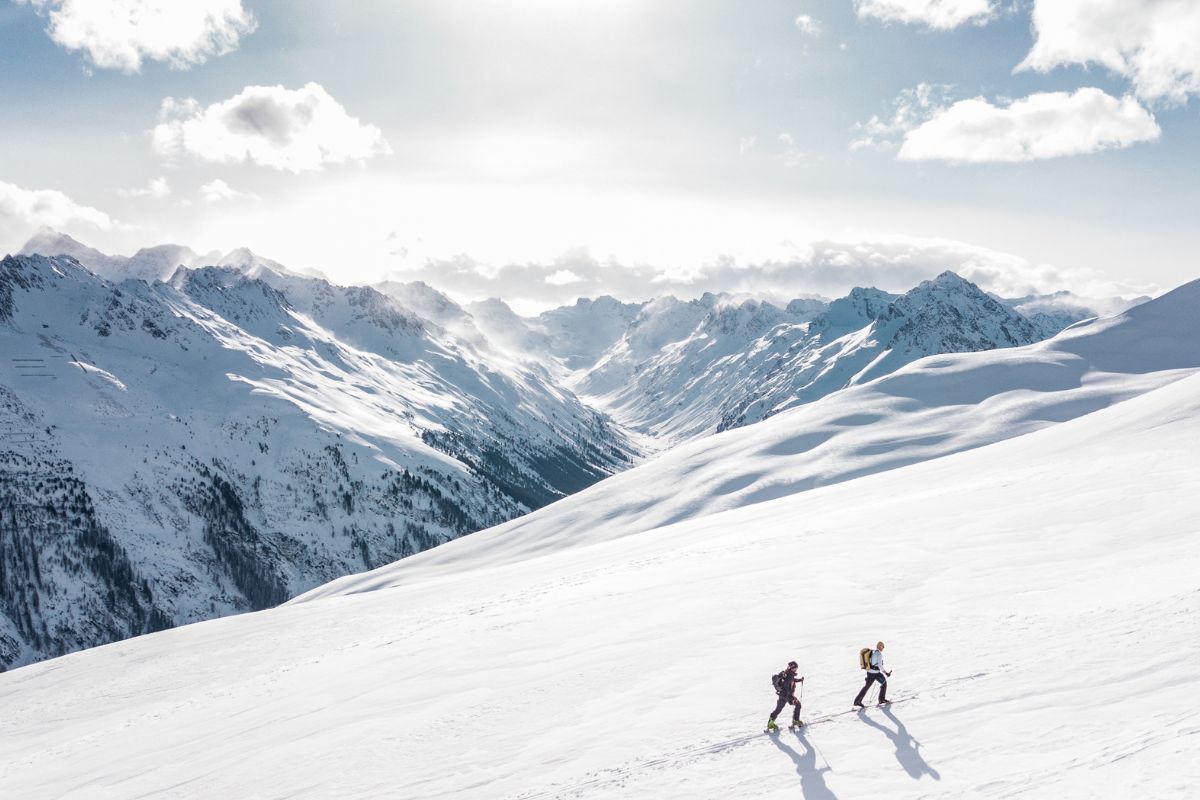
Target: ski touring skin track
849 711
612 775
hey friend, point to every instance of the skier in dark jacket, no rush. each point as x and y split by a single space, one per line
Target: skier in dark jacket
875 672
787 694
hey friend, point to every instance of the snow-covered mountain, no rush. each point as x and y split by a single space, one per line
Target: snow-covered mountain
151 264
178 450
675 370
1052 313
1033 593
687 369
201 439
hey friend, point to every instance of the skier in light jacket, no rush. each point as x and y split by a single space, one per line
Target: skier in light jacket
875 673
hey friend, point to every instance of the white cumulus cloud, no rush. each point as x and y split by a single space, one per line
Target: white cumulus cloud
24 211
563 277
157 188
217 190
1153 43
1043 125
911 108
808 26
297 130
121 34
940 14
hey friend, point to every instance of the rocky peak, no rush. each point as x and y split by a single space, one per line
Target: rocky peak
951 314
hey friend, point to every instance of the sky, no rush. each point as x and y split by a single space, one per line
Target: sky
540 150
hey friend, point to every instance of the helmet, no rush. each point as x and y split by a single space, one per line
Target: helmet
793 665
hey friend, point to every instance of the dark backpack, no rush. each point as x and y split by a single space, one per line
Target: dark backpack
777 680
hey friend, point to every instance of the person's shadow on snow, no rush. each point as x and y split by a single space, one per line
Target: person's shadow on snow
812 778
907 747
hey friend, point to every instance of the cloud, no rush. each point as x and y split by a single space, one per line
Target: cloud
808 26
121 34
911 108
24 211
822 267
563 277
218 190
939 14
792 155
1071 305
297 130
47 207
157 188
1043 125
1153 43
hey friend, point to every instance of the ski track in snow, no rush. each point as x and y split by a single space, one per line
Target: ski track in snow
618 775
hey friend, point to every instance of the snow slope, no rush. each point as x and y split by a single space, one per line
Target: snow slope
931 408
1038 597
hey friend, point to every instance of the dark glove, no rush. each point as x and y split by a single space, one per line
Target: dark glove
889 673
802 679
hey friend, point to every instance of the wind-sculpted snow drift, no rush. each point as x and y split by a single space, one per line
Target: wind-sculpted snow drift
1037 597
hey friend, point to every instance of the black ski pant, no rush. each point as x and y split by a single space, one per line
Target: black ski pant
871 678
784 699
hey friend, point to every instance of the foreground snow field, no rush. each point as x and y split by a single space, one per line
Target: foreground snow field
1038 596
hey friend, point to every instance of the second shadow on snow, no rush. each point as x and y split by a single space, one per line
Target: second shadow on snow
812 777
907 748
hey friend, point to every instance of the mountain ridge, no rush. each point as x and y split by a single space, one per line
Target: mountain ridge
233 440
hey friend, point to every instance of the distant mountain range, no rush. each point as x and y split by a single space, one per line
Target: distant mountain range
674 370
186 436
